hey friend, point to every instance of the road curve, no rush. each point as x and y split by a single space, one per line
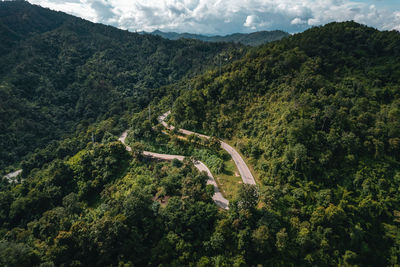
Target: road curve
244 171
218 198
12 175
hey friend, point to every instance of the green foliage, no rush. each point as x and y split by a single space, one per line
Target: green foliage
176 163
247 198
317 115
215 163
17 254
59 73
101 206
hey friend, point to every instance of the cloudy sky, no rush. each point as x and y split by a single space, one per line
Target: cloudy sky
229 16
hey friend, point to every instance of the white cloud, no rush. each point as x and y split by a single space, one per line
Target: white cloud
251 22
297 21
226 16
75 7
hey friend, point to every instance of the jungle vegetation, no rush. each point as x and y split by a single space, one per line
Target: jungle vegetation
317 115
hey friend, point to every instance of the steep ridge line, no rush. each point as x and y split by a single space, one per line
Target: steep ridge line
244 171
218 198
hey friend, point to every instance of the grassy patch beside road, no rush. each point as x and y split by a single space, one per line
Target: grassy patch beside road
229 180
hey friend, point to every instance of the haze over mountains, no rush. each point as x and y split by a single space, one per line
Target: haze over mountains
253 39
315 115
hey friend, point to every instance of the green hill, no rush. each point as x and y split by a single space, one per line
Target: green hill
20 20
58 71
318 116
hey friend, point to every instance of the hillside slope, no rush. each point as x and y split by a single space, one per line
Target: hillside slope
58 71
20 20
318 114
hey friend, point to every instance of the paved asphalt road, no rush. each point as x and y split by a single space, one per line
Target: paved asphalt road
217 197
244 171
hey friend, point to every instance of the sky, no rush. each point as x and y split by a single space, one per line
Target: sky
229 16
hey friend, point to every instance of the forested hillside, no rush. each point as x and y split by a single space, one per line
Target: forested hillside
58 71
103 208
318 114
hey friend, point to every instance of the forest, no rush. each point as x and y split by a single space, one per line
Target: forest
59 73
320 123
316 115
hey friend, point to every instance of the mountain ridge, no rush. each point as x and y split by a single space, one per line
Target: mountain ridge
252 39
316 116
66 70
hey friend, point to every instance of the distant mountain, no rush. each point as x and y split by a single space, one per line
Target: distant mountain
316 116
253 39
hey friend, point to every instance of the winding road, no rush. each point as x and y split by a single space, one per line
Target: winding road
244 171
218 198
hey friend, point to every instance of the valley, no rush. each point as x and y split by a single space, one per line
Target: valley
285 153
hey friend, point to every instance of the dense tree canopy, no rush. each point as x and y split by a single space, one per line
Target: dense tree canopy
317 115
58 71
